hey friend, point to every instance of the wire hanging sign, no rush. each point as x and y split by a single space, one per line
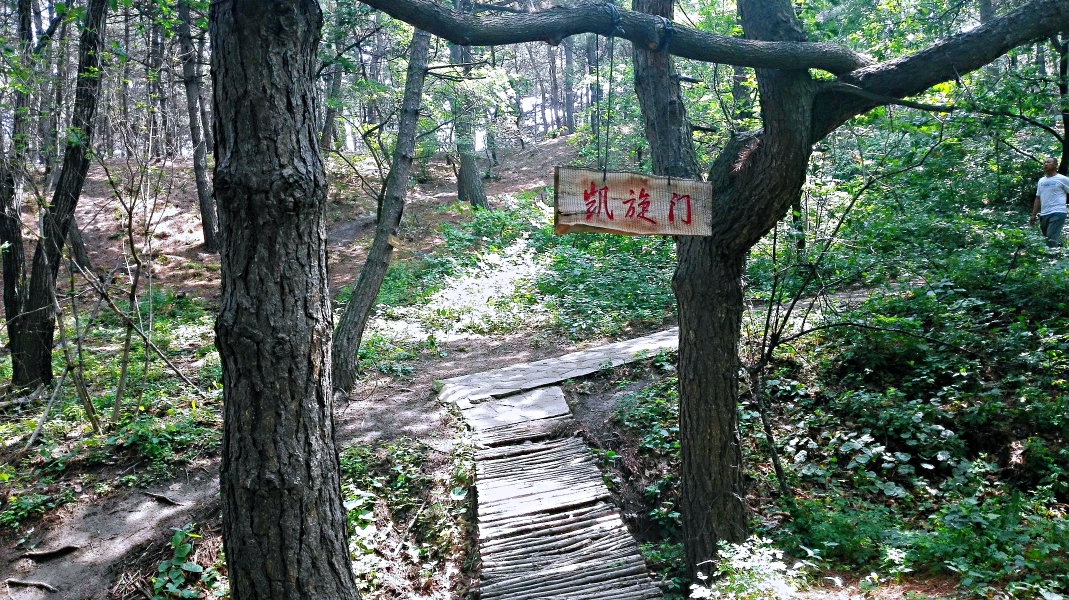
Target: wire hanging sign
625 202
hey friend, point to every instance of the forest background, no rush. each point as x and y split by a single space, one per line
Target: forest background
931 411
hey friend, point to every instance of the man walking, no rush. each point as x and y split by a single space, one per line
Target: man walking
1050 203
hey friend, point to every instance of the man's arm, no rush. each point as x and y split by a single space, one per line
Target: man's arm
1035 211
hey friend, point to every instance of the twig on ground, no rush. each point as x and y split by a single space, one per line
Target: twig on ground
164 499
29 399
43 555
24 583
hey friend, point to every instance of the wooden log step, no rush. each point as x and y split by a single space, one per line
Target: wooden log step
501 452
521 540
521 432
537 504
635 587
515 527
557 581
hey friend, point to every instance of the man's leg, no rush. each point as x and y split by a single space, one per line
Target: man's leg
1052 225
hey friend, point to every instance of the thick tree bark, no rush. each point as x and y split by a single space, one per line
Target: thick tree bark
708 276
284 528
200 154
33 332
351 327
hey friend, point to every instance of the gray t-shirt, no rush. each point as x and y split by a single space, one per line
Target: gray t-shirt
1051 192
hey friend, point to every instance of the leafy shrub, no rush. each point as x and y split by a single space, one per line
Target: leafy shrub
753 570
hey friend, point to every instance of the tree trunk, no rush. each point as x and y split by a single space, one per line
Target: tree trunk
1062 48
12 171
569 85
712 504
200 155
469 180
284 528
33 333
336 73
554 86
326 139
351 327
592 88
203 102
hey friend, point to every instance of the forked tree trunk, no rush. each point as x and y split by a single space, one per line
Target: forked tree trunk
354 319
200 154
284 528
33 332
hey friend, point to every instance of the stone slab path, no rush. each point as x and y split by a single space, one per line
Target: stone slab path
547 526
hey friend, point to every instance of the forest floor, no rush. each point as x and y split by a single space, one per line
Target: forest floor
112 537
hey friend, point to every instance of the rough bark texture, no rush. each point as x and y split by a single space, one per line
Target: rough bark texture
12 168
351 327
284 528
200 155
33 332
708 287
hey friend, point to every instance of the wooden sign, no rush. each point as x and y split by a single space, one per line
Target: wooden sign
630 203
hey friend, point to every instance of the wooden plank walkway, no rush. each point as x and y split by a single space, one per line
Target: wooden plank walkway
547 526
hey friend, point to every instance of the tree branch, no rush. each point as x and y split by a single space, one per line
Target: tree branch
555 24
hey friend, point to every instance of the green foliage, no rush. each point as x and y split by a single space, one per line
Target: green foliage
598 283
653 415
390 491
666 561
999 538
180 576
18 508
166 442
753 570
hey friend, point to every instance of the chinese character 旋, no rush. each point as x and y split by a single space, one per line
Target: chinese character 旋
643 202
597 200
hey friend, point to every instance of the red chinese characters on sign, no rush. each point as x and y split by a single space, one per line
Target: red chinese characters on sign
643 202
672 208
587 200
597 200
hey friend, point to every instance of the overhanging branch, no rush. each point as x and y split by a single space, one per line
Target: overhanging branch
555 24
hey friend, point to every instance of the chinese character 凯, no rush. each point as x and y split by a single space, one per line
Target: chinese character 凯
643 206
672 208
596 200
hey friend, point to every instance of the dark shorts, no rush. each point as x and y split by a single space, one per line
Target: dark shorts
1051 226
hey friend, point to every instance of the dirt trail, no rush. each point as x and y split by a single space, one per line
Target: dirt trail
122 531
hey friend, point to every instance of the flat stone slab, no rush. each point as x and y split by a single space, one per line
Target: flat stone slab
542 403
478 387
